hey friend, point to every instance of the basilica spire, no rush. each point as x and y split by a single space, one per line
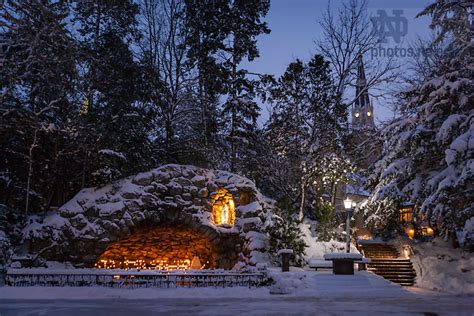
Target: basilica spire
362 111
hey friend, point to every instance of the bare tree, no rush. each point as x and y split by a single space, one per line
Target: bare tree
151 23
428 54
164 52
346 34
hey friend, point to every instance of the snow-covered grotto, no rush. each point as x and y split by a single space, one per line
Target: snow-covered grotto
172 217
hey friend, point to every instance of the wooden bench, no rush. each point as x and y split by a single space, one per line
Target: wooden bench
319 264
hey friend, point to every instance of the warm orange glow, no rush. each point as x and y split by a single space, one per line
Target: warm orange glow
145 264
427 231
223 207
195 264
411 232
165 247
406 215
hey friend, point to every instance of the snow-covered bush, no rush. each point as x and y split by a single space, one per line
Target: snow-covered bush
10 234
286 234
108 167
325 214
5 250
467 235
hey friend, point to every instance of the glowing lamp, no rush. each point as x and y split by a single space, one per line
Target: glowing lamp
369 113
347 204
406 252
356 114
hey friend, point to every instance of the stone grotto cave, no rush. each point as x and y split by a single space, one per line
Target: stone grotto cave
172 217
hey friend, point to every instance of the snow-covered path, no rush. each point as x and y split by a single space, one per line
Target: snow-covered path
276 305
315 293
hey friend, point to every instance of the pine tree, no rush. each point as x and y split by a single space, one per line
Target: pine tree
221 34
37 104
110 83
325 214
205 21
243 24
285 233
428 152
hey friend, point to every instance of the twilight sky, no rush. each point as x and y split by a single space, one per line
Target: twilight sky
294 27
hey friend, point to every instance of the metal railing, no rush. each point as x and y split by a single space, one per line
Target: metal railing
125 279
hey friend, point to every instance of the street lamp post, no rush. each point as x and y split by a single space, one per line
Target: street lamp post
348 207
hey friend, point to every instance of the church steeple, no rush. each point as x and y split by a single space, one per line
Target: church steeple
362 111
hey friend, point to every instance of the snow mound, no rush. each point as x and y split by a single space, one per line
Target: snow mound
442 268
286 283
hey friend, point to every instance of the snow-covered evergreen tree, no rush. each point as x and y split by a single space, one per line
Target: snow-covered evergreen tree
242 25
428 152
205 24
285 233
110 88
37 110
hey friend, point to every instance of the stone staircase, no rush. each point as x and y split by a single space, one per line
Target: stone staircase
386 262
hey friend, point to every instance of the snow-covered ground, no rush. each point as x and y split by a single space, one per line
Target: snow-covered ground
309 292
440 267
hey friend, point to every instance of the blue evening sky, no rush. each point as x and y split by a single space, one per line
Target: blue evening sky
294 28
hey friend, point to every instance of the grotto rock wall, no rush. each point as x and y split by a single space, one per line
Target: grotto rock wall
81 229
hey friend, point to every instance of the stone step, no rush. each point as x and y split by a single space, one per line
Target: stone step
386 262
397 276
382 257
407 270
392 277
396 273
389 264
394 260
397 279
390 268
381 250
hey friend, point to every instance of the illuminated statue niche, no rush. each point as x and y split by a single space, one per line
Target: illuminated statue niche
223 207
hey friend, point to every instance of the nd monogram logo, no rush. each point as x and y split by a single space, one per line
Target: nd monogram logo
385 26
